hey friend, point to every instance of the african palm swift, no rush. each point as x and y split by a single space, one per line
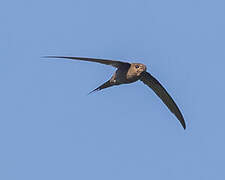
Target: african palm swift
128 73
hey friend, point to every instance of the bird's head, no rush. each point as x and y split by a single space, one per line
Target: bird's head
138 68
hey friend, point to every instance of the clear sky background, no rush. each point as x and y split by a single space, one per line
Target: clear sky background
51 129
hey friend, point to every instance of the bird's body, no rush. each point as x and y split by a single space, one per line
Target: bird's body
130 72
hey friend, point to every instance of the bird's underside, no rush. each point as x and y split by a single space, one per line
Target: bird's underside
129 73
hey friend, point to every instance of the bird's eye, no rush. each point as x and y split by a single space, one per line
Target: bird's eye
137 66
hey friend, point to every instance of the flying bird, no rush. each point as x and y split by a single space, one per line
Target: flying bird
128 73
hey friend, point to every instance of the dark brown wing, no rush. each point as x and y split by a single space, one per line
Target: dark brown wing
113 63
154 84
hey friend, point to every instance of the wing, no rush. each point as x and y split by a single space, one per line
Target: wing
154 84
113 63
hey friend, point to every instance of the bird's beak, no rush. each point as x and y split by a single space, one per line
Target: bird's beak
143 68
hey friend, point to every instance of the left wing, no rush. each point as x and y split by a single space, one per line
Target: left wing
113 63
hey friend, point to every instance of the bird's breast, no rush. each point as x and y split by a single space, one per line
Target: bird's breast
123 76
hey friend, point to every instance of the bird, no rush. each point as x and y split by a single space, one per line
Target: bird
127 73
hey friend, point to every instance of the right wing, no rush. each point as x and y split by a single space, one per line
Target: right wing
154 84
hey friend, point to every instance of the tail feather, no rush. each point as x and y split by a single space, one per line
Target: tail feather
103 86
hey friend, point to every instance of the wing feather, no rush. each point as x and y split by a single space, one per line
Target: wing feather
155 85
113 63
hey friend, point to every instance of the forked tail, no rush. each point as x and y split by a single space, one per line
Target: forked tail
103 86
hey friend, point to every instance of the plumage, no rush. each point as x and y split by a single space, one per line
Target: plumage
113 63
103 86
129 73
155 85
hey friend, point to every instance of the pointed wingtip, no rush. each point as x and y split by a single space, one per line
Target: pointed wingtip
50 57
180 117
183 124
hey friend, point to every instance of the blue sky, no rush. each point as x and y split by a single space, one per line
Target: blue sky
51 129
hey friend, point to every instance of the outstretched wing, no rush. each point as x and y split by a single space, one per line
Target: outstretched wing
113 63
154 84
